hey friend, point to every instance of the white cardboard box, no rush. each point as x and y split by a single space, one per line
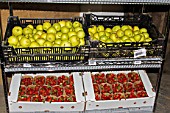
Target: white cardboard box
92 104
15 106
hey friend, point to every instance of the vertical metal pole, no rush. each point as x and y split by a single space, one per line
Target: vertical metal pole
167 28
10 9
5 86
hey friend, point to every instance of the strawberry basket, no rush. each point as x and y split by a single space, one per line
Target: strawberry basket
41 54
108 46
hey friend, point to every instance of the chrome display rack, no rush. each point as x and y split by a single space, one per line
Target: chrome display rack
92 64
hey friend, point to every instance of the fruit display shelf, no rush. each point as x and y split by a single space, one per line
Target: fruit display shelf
118 89
120 36
47 92
44 40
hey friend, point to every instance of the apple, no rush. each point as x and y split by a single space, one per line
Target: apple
114 37
34 44
82 42
71 33
51 30
57 26
142 38
30 26
25 42
81 34
103 38
107 34
44 36
31 39
74 40
146 35
65 29
100 28
40 41
77 29
20 36
124 37
109 30
36 36
68 24
130 27
17 30
13 40
76 24
39 32
148 39
124 27
39 27
57 41
101 33
58 35
128 32
28 35
46 25
136 32
66 44
72 29
47 44
143 30
56 45
34 31
137 37
132 39
135 28
115 28
120 33
62 23
64 36
96 36
109 41
93 29
50 37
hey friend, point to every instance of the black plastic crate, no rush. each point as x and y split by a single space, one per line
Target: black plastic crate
41 54
124 49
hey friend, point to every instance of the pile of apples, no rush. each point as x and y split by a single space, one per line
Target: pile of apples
117 33
60 34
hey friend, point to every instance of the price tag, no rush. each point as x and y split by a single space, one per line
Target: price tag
27 65
92 62
137 62
139 53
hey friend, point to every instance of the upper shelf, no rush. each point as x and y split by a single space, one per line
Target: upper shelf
147 2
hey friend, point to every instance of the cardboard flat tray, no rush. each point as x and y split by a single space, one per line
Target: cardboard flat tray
15 106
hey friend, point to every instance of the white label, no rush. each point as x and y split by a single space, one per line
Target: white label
92 62
27 65
137 62
139 53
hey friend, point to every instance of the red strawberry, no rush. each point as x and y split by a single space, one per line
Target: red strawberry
69 90
51 98
117 87
97 96
111 78
96 88
133 76
71 81
129 87
57 90
130 95
22 90
142 94
122 77
118 96
45 91
106 96
37 98
63 80
26 80
105 88
39 80
51 80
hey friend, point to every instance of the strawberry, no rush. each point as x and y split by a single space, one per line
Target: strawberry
57 90
122 78
69 90
133 76
24 98
39 80
106 96
51 80
142 94
37 98
51 98
93 78
111 78
117 87
32 90
100 78
118 96
129 87
130 95
96 88
63 80
26 80
45 91
97 96
22 90
71 81
105 88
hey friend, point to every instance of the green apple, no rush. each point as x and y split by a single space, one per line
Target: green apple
120 33
51 30
146 35
64 36
128 32
34 44
57 26
47 44
71 33
44 36
124 27
25 42
136 32
96 36
135 28
39 27
74 40
30 26
114 37
109 30
72 29
101 33
51 37
46 25
39 32
57 41
17 30
92 30
148 39
130 27
76 24
137 37
28 35
103 38
100 28
143 30
125 38
115 28
32 39
77 29
20 36
80 34
107 34
142 38
65 29
132 39
13 40
34 31
40 41
66 44
109 41
69 24
82 42
36 36
62 23
58 35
